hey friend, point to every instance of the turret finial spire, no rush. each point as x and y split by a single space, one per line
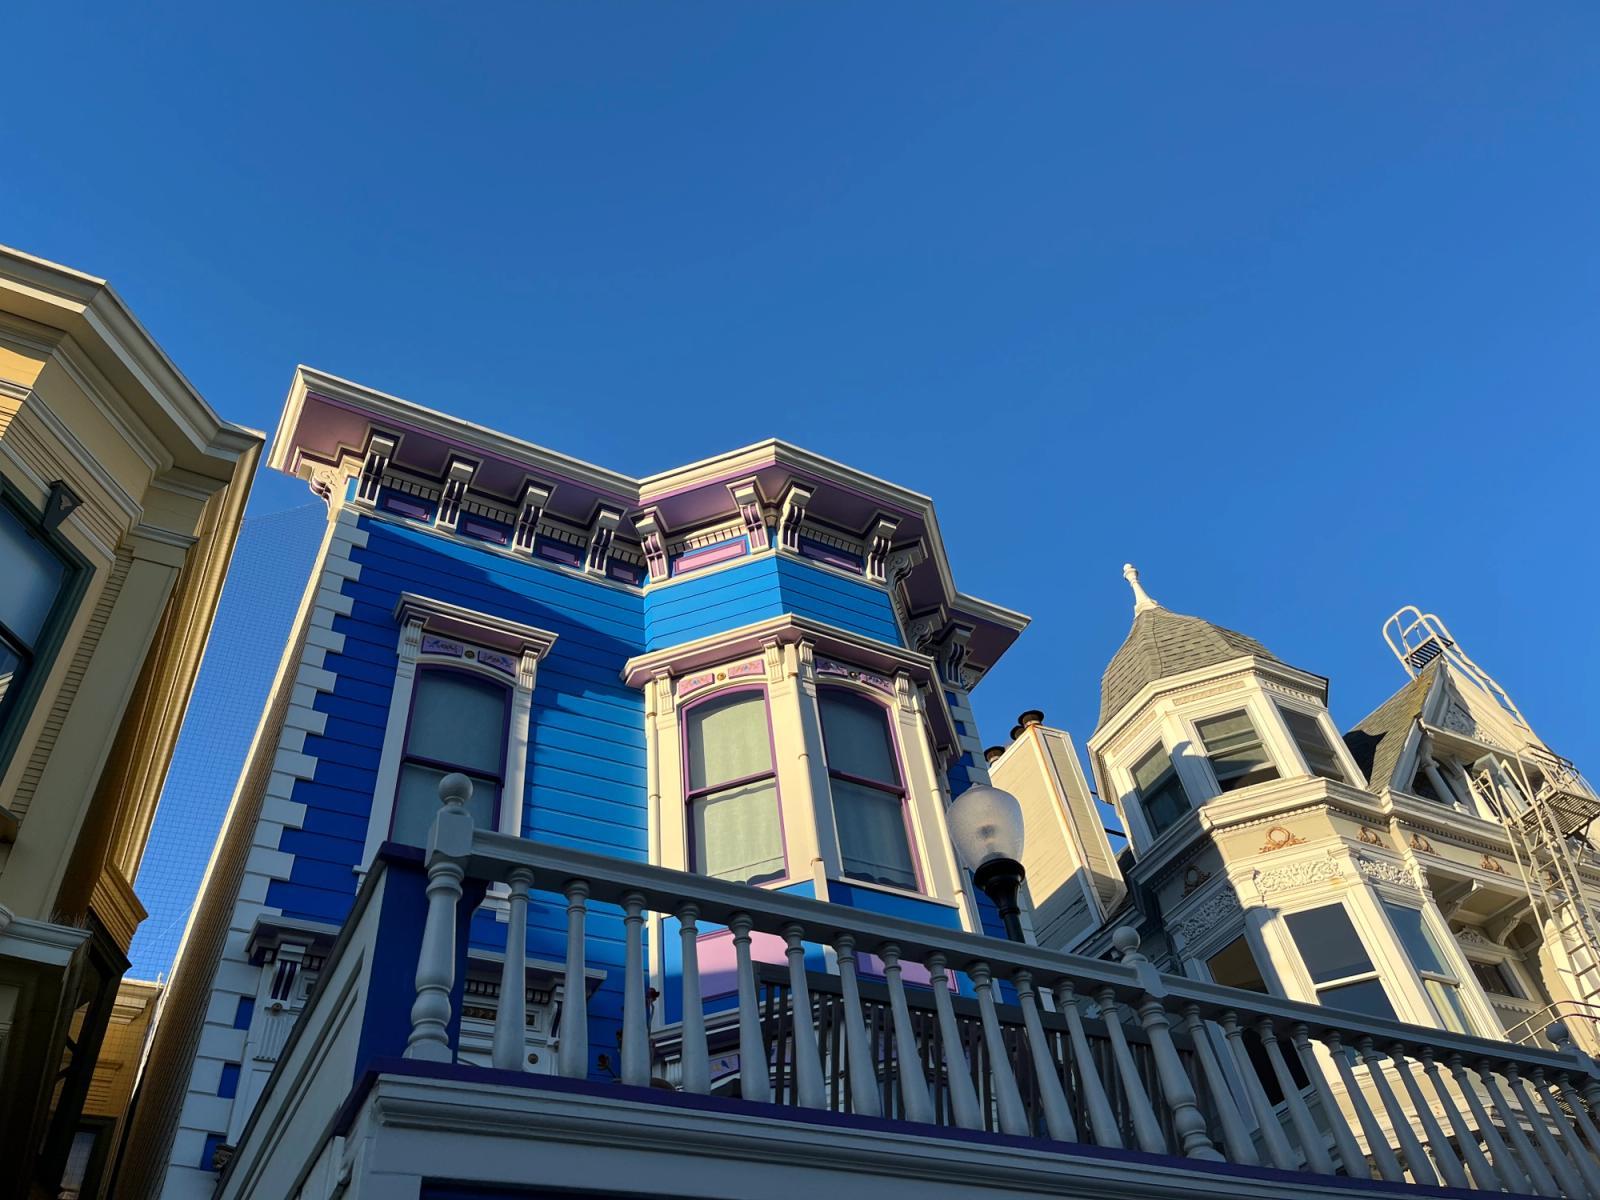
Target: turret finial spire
1141 599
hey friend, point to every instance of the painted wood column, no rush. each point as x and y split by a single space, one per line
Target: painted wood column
915 1100
573 1054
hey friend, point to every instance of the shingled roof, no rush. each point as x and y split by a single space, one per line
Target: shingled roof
1377 740
1163 643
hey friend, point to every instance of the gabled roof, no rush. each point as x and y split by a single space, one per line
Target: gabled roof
1377 740
1163 643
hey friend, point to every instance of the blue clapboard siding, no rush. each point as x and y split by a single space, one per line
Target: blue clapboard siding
766 587
586 757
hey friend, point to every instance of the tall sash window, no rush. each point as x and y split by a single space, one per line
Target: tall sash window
458 723
734 828
869 795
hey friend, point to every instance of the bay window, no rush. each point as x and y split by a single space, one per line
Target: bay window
1312 742
868 792
1234 747
1341 970
459 723
1438 980
1160 791
35 576
735 831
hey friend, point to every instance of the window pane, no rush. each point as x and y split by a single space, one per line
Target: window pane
737 834
872 834
460 720
1366 997
1498 978
1238 758
1235 966
1414 935
857 735
33 576
728 739
1307 733
416 803
1328 943
1160 790
10 670
1446 999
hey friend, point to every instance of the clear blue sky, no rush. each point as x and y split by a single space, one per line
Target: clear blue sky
1295 307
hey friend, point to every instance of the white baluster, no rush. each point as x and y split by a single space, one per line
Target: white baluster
1176 1086
635 1021
1057 1116
449 843
1581 1112
696 1059
1560 1165
1466 1137
511 1018
572 1058
1544 1183
1102 1121
1235 1135
1506 1167
1355 1162
914 1098
807 1059
754 1081
1568 1136
1444 1157
863 1070
1278 1148
1008 1100
1399 1120
1310 1137
958 1075
1146 1129
1377 1143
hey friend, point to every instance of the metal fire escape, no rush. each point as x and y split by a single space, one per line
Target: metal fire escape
1546 806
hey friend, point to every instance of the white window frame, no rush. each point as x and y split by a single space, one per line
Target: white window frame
1376 941
419 615
1449 950
1274 735
1354 776
1133 801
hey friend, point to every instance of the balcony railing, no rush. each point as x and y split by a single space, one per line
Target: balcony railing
1113 1054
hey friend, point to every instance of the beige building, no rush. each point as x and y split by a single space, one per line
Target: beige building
121 492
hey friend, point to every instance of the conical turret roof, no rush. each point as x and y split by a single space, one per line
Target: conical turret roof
1162 644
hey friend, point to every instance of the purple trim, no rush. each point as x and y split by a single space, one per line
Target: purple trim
707 556
692 794
831 555
899 787
557 552
405 505
488 531
406 756
376 1067
625 572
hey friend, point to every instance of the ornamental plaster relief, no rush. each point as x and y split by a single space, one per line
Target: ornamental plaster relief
1209 915
1297 874
1382 870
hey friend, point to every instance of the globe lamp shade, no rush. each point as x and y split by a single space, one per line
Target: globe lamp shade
986 825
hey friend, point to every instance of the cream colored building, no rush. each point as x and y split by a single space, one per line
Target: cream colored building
1431 864
121 492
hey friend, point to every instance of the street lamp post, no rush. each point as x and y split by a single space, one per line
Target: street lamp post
986 827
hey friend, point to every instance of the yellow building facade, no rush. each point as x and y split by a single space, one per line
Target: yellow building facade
121 492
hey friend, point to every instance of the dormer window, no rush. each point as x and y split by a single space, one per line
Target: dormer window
1160 791
1235 750
869 797
1312 742
735 831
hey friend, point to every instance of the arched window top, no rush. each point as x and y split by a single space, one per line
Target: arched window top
864 779
855 729
731 788
728 738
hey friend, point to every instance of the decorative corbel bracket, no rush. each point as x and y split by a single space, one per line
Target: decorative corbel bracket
653 541
793 514
456 480
380 449
747 496
878 540
601 530
952 656
535 496
903 561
